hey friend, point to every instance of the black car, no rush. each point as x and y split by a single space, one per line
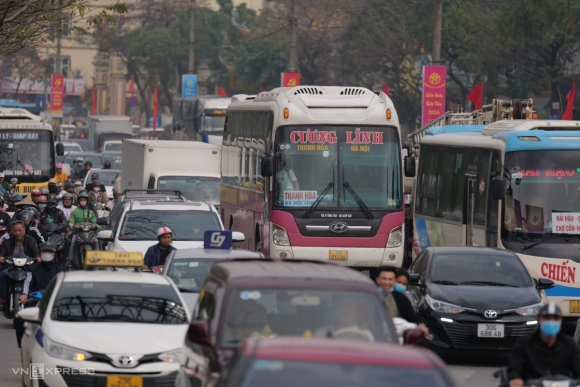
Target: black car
475 298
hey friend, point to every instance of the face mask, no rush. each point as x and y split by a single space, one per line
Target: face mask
399 288
47 257
97 189
42 206
550 328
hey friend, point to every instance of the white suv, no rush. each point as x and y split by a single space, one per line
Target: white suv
136 229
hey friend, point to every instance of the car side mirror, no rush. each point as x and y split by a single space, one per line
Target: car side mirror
108 209
31 315
410 166
544 283
104 221
267 166
105 235
414 336
198 333
59 149
238 236
498 188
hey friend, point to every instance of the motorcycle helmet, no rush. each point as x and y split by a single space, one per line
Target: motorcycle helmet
67 196
16 198
51 201
163 230
35 192
83 195
41 201
47 246
26 216
44 191
33 211
69 184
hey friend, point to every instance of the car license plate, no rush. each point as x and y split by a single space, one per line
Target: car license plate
574 306
124 381
338 255
490 330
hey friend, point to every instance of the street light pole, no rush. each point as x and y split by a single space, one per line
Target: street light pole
191 37
293 60
438 22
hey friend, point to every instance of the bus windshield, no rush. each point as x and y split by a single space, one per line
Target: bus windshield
545 203
350 164
213 124
27 155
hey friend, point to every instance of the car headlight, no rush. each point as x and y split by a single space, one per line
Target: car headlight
395 237
170 356
280 236
64 351
443 307
531 310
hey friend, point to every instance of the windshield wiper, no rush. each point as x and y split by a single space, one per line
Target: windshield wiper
488 283
318 200
358 200
444 282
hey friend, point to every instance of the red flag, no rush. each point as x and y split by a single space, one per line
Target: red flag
476 96
261 89
132 87
155 107
93 102
387 89
569 103
222 91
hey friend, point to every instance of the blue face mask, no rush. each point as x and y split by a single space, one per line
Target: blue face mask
550 328
399 288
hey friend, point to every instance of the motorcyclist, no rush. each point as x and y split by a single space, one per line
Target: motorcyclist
35 194
87 169
22 205
52 188
18 244
545 352
95 181
44 191
41 202
60 177
117 193
27 217
13 199
79 215
52 214
5 219
77 169
98 196
38 278
157 254
67 205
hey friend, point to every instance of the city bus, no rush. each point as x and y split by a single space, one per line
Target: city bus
512 184
27 150
316 173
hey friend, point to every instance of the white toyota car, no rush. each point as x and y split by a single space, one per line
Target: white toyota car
105 328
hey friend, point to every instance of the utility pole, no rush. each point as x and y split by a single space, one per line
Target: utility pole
191 37
58 60
293 60
438 22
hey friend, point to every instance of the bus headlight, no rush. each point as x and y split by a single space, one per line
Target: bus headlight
280 236
395 237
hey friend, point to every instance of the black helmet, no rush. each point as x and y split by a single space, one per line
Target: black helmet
69 184
95 176
47 246
51 199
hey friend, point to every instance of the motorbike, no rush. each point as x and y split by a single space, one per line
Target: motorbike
546 381
86 240
56 236
102 211
13 284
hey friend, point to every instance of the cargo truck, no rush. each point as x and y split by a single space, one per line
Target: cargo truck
200 118
188 166
107 128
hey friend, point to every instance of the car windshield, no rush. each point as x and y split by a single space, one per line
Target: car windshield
71 148
365 161
116 164
110 156
106 176
96 160
87 145
118 302
193 188
213 124
291 373
189 274
113 146
480 268
302 312
142 225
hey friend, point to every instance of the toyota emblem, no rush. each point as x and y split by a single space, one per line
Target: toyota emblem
338 227
126 361
490 314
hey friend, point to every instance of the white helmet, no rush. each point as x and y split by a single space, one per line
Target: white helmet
163 230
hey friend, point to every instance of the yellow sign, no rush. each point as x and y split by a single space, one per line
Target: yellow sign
338 255
113 259
434 78
574 306
124 381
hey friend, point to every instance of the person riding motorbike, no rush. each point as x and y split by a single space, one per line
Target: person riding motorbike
77 169
41 202
34 195
545 352
67 205
157 254
52 214
97 195
27 217
52 188
80 215
117 193
44 191
13 199
18 244
5 219
37 279
95 181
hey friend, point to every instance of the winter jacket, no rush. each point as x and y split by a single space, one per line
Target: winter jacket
56 216
153 255
80 215
30 247
39 276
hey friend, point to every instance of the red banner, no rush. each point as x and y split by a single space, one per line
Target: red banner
56 95
290 79
434 82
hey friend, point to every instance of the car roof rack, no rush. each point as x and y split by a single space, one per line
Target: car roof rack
172 194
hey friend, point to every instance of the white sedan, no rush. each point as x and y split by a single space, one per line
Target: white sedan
105 328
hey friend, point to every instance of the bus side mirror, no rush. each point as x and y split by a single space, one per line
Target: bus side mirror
59 149
498 188
409 166
267 166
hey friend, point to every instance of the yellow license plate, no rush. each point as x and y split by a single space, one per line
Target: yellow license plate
574 306
124 381
338 255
